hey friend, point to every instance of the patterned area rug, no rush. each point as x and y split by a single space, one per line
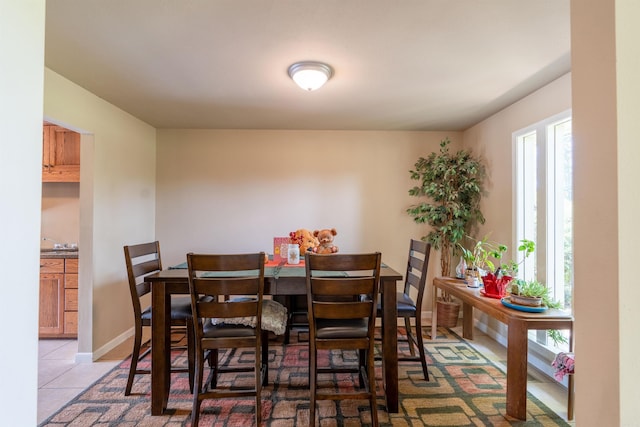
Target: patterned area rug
465 389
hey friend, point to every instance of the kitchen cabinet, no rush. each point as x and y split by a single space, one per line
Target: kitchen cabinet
58 298
60 154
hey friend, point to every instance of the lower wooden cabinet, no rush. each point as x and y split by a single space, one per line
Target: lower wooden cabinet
58 298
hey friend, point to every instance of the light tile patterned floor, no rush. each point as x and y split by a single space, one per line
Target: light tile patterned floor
60 378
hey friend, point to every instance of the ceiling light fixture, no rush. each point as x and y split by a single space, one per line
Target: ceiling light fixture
310 75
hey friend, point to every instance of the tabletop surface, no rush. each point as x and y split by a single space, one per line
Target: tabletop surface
458 288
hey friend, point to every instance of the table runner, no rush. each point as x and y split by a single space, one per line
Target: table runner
276 272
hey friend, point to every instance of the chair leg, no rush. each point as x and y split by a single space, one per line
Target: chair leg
313 374
363 358
197 389
213 363
265 358
137 343
287 331
372 387
423 357
259 379
410 337
191 353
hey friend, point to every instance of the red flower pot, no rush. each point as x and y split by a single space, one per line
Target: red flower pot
495 286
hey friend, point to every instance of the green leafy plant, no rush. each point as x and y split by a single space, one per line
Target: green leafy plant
481 254
485 254
452 186
511 267
536 289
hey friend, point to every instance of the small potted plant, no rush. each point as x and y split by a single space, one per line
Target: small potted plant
529 292
533 293
483 258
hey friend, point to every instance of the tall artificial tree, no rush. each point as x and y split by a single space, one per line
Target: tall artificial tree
452 185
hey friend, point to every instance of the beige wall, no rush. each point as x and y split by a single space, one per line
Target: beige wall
235 190
628 107
117 204
606 58
22 50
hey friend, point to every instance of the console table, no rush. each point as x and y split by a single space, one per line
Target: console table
519 323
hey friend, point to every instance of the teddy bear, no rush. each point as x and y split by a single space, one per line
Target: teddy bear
305 239
325 239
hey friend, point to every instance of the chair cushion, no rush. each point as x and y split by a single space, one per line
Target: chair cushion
211 330
274 318
180 309
406 306
343 328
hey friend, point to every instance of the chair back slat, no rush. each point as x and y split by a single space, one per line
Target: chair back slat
341 286
226 310
342 310
146 267
227 286
226 262
143 249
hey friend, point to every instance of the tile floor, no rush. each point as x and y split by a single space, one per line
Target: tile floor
60 378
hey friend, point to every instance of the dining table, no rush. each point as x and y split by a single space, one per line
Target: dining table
280 279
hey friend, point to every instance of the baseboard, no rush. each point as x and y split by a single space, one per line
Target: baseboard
98 353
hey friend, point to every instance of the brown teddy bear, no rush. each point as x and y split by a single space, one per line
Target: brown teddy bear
305 239
325 239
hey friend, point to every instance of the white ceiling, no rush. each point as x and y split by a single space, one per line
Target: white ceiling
398 65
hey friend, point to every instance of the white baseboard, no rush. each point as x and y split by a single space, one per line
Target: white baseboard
98 353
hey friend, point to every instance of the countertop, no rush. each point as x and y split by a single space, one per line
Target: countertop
59 253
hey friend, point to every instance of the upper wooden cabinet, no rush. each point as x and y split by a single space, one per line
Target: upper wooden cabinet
60 154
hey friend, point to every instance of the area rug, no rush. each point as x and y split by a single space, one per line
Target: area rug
465 389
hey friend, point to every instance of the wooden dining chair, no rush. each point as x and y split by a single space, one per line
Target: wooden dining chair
409 303
142 260
342 314
225 322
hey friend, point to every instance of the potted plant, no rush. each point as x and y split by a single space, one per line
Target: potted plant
535 293
451 183
478 259
484 258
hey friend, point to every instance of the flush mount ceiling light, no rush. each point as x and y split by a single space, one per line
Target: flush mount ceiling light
310 75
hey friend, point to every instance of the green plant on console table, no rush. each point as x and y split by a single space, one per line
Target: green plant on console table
536 289
510 268
479 257
485 255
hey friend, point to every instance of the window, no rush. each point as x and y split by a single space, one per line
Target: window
544 197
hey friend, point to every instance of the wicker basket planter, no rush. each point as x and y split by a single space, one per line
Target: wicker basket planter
448 313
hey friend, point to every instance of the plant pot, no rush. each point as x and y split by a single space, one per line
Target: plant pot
472 278
528 301
495 286
448 312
